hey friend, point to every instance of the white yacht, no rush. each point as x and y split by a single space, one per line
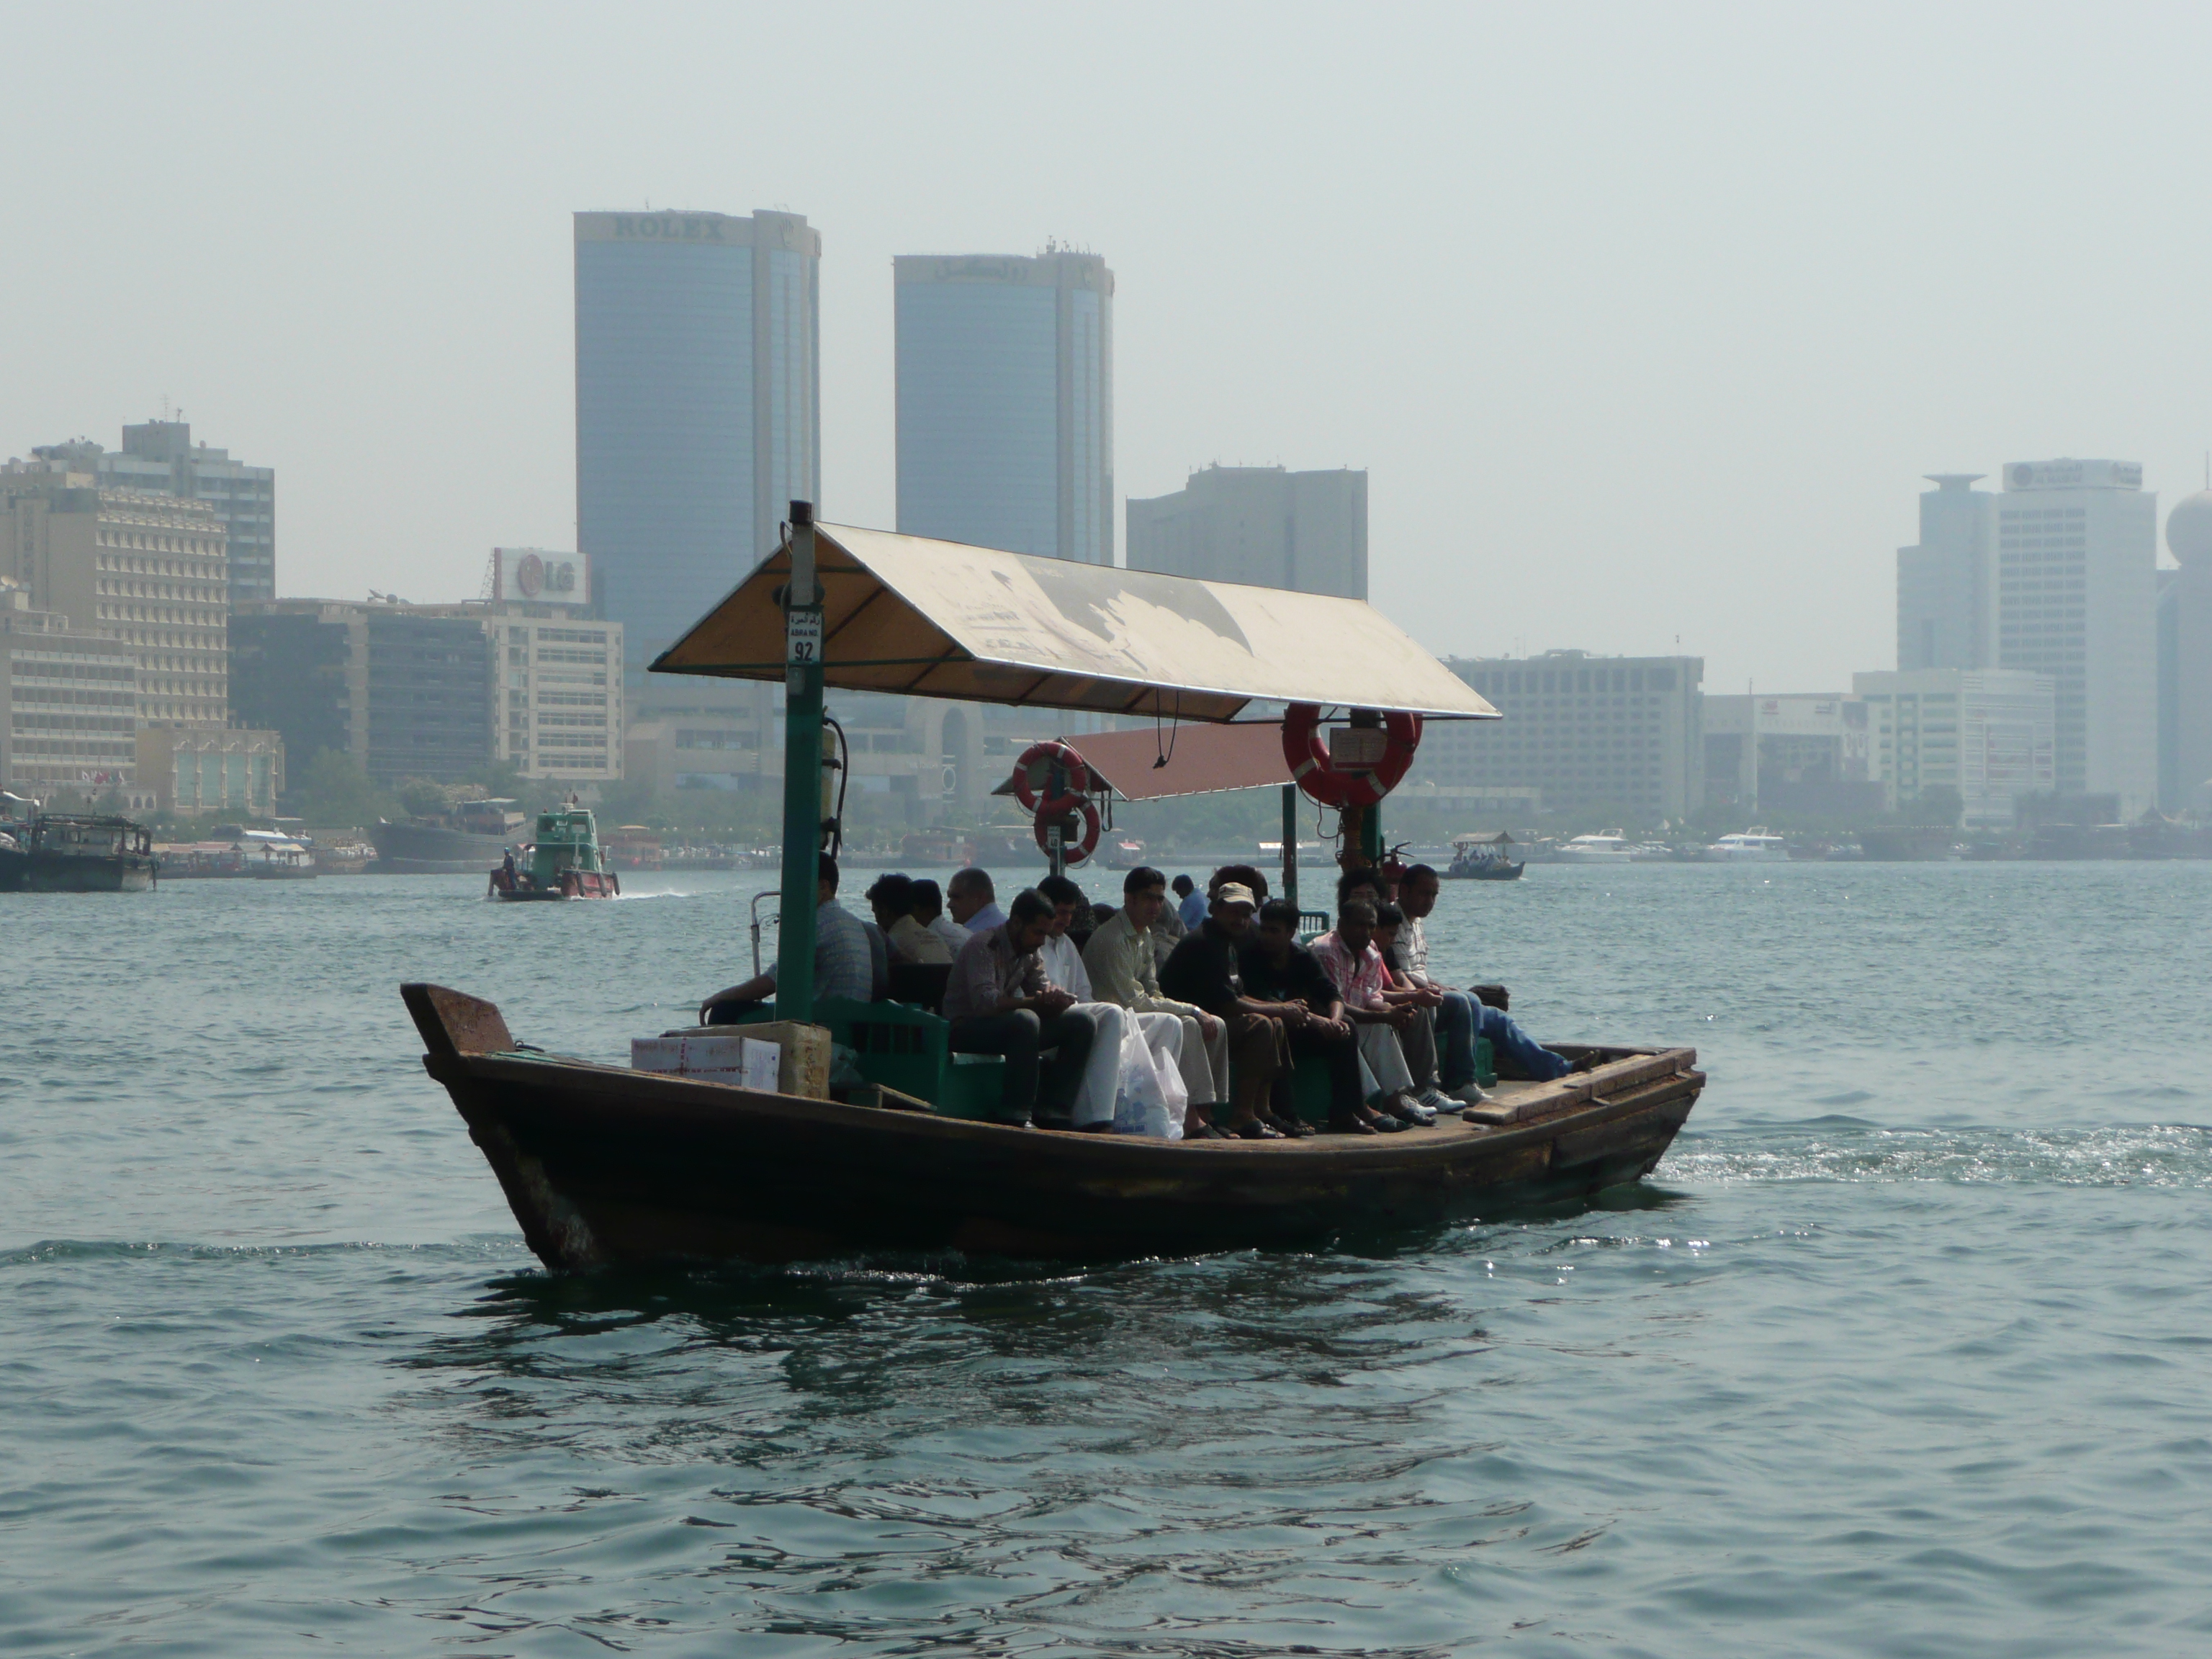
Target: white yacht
1753 846
1609 846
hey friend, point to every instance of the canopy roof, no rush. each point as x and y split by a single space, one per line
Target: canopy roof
1200 760
904 614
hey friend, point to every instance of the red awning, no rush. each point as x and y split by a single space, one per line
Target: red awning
1200 759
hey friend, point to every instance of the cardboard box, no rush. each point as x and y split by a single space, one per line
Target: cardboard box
724 1054
805 1057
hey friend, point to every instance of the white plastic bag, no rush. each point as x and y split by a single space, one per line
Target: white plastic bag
1150 1098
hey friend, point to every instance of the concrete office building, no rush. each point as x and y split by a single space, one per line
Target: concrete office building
1005 402
149 570
1991 736
69 704
1947 586
1617 736
159 457
2185 623
1261 525
698 406
529 679
1797 755
2076 560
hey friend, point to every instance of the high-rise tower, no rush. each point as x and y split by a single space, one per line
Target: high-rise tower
1005 402
1947 586
2186 610
2077 547
698 406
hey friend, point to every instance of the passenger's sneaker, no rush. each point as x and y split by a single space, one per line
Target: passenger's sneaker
1435 1100
1468 1094
1406 1109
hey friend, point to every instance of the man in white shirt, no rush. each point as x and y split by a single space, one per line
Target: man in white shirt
1063 966
1123 961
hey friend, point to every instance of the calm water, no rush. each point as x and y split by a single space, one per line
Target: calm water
1904 1352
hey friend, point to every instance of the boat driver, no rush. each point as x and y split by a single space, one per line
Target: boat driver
844 963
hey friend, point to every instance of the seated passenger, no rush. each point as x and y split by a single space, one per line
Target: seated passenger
1205 971
1122 962
973 901
1417 1040
1063 968
1190 905
843 963
1356 966
1460 1017
1000 1003
1280 970
892 900
929 911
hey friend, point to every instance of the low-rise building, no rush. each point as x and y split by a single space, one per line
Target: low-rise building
69 704
197 768
1802 753
1991 736
1612 736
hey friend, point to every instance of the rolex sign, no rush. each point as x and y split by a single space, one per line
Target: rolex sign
534 576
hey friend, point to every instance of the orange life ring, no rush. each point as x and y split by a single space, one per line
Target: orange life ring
1078 775
1307 757
1078 855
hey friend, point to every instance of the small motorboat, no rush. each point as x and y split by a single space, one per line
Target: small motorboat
1607 846
563 862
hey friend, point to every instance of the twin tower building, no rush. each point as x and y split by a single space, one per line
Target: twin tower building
699 418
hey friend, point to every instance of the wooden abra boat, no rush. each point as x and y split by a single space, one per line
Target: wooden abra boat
77 853
605 1167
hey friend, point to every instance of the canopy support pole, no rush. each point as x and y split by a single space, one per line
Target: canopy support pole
802 774
1290 842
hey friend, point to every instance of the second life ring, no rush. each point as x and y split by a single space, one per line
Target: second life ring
1307 757
1080 853
1049 752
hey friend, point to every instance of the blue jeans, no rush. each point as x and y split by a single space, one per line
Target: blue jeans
1460 1019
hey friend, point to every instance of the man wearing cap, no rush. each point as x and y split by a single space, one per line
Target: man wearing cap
1205 972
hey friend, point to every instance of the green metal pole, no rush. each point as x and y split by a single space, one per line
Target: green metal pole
802 774
1290 842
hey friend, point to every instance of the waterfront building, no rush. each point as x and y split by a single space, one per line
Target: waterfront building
1006 401
2184 628
1947 586
1261 525
69 704
531 679
1594 736
2076 603
211 769
1992 736
147 569
1802 754
698 407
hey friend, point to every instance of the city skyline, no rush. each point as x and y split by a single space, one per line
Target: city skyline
1563 443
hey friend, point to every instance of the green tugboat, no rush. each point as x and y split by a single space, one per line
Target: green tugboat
563 861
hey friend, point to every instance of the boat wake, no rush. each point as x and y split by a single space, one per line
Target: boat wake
1841 1149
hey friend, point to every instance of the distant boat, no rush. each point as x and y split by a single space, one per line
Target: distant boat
930 849
460 841
1127 853
562 861
1609 846
1752 846
1484 857
71 853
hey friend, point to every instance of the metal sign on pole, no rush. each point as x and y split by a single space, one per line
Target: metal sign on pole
802 773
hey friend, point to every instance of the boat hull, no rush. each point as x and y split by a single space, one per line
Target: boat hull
606 1167
424 849
50 872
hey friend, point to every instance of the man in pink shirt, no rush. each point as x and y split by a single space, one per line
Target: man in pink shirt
1377 1014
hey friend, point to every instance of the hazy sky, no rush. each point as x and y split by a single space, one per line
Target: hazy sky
1644 320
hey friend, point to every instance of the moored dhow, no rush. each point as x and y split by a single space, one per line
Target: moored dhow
884 1146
